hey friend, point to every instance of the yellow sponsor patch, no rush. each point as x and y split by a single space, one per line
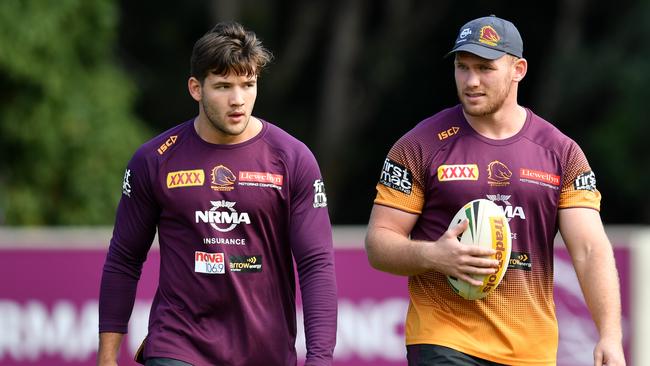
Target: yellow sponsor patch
457 172
185 178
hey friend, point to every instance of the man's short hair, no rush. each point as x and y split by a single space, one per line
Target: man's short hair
228 48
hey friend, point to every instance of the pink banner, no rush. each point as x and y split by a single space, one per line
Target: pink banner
48 309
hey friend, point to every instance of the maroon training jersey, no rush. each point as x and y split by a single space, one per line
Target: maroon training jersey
231 219
442 164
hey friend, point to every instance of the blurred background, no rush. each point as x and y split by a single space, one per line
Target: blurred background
83 83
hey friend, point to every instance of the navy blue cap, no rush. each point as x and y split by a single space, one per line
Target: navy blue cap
489 37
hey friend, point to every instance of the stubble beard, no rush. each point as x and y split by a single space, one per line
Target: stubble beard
489 109
220 125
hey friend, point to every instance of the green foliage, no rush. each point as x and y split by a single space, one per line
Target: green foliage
605 103
66 130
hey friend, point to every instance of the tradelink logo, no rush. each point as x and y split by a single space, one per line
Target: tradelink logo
396 176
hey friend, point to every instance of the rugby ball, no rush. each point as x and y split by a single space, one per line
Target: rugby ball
488 227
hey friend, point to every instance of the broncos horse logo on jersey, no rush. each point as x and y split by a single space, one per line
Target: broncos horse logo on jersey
498 174
222 178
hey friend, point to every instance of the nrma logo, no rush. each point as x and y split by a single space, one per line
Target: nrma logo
509 210
222 216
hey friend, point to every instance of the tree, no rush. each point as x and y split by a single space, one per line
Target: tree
596 91
66 130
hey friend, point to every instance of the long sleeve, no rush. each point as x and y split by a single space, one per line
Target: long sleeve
311 243
133 233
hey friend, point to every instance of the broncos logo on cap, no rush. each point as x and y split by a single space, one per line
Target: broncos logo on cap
489 36
498 173
223 178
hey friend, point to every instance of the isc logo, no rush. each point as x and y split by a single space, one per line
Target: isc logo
170 141
448 133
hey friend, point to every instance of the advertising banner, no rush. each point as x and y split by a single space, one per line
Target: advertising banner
49 301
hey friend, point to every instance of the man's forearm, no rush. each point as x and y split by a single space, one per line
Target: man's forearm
390 252
109 348
600 285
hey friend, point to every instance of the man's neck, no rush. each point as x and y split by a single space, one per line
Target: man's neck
503 124
210 134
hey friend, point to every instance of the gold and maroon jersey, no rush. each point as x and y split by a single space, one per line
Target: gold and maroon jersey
440 165
231 221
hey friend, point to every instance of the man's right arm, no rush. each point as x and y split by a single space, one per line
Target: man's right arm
135 227
390 249
109 347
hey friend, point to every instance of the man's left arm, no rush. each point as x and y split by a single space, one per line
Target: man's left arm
311 244
593 260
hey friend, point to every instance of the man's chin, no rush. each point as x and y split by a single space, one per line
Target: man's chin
475 111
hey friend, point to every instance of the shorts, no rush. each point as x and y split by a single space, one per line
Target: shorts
434 355
161 361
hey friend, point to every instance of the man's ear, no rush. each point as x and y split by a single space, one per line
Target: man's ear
520 68
195 88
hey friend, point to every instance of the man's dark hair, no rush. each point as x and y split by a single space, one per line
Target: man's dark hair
228 48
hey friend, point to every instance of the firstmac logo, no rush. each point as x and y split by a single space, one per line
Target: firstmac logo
396 176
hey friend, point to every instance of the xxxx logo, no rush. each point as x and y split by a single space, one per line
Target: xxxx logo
185 178
457 172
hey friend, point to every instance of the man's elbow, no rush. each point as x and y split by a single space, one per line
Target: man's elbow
372 250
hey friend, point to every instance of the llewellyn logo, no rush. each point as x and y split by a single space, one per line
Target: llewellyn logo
261 179
527 175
